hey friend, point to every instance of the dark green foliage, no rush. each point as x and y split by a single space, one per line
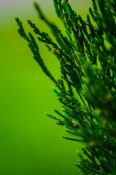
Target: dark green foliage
87 86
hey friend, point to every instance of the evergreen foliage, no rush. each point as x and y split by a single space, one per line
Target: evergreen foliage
87 86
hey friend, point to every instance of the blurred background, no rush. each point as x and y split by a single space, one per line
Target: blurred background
30 142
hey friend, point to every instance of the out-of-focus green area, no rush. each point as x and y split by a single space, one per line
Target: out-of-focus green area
30 143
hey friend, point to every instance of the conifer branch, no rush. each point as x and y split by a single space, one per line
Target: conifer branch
87 86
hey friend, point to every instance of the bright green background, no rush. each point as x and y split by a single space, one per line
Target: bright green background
30 143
